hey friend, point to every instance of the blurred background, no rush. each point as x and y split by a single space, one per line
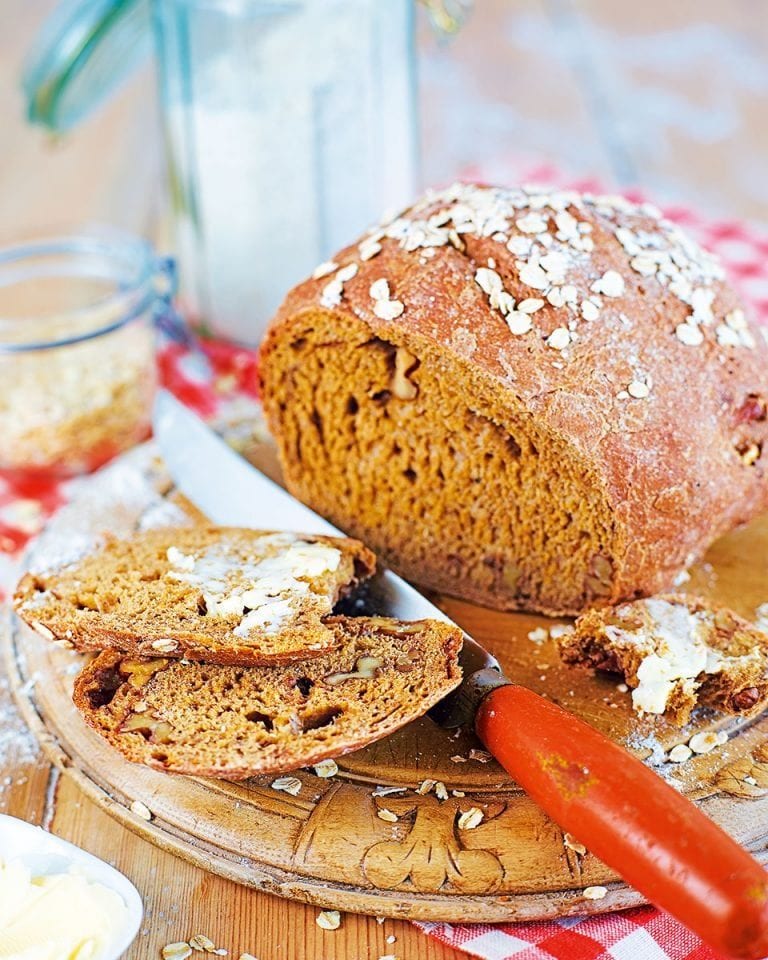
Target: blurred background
254 138
668 96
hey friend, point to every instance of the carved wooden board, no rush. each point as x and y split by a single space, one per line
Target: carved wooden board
327 845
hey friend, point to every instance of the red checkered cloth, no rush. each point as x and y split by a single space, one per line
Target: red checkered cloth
641 934
226 375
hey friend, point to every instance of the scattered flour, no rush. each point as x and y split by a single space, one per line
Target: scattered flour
17 744
122 496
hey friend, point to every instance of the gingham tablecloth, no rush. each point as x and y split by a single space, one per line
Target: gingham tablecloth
225 376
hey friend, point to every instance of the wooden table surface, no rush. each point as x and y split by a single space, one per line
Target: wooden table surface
181 900
669 96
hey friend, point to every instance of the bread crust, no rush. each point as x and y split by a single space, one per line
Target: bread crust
678 467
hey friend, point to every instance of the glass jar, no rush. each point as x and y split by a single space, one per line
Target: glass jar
290 128
77 350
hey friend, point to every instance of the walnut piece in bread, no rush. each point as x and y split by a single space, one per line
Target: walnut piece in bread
219 594
675 652
529 398
236 722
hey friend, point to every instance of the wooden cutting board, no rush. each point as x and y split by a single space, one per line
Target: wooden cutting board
328 845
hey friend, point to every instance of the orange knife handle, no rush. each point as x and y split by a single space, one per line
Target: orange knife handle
630 818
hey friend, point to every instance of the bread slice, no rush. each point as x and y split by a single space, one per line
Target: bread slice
236 722
528 398
223 595
675 652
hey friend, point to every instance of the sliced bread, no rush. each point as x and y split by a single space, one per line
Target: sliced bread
236 722
675 652
223 595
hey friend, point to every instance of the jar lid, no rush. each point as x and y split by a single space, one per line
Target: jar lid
65 290
85 50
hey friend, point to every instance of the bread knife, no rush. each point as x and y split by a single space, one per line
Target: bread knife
611 802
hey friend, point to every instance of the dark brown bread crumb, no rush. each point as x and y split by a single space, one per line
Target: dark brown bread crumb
177 592
711 656
546 439
236 722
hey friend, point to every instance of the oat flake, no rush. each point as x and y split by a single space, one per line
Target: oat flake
470 819
141 810
594 893
290 785
329 920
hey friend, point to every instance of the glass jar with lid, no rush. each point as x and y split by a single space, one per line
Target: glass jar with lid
290 126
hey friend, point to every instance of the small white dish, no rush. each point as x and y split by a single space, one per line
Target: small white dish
43 853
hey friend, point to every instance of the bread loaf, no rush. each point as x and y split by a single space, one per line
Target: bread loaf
236 722
219 594
675 652
527 398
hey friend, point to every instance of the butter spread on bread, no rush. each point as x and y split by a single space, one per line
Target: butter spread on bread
223 595
675 652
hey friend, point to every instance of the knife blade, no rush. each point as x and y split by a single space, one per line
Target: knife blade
242 496
624 813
